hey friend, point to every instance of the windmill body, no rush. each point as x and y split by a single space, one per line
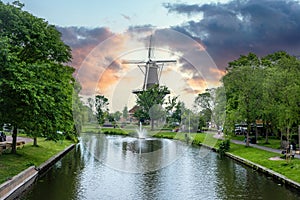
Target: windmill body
151 69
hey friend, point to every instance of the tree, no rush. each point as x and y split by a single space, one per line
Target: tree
220 107
125 112
117 115
35 87
282 92
205 100
267 89
149 101
101 103
243 90
90 109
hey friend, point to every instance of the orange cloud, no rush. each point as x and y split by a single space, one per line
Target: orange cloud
108 78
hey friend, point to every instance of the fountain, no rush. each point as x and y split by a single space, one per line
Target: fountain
141 132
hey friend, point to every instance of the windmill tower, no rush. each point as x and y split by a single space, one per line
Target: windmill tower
151 69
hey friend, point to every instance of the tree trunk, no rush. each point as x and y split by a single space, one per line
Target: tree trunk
247 136
267 133
152 124
14 140
35 142
281 136
288 150
256 133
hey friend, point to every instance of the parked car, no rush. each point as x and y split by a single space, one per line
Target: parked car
2 136
7 127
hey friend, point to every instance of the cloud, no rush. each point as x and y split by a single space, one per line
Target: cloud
83 40
98 54
231 29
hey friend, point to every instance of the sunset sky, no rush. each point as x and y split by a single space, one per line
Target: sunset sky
203 36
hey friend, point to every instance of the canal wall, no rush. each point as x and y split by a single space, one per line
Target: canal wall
18 183
281 178
12 188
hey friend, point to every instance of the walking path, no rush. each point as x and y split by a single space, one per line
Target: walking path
25 139
220 136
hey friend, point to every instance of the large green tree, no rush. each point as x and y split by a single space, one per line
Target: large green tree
150 103
265 88
35 87
243 90
282 96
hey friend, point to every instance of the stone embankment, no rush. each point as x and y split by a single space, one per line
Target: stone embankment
12 188
268 172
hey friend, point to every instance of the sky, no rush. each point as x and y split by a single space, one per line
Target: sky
203 36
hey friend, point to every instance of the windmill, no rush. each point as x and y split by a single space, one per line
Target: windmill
151 69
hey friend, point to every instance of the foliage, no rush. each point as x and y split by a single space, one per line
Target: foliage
114 131
243 89
117 115
265 89
101 103
211 106
175 114
219 111
224 146
149 103
125 113
36 87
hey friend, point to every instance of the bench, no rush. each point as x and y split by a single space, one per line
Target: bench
20 144
4 146
7 145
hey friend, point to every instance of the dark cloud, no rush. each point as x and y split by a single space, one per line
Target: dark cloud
82 36
239 27
83 40
114 64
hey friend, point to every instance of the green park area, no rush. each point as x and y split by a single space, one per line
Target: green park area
29 155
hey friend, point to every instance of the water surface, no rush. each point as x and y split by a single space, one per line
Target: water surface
114 167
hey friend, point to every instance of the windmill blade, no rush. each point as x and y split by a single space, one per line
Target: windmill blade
150 48
165 61
133 62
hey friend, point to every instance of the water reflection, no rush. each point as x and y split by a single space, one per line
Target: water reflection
92 171
132 155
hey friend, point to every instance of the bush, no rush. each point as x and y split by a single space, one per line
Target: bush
113 131
224 146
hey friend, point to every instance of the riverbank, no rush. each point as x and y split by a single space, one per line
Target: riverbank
286 172
13 164
14 186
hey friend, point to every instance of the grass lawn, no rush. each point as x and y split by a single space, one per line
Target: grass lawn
90 128
273 143
289 169
11 165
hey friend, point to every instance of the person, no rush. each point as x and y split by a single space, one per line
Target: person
2 136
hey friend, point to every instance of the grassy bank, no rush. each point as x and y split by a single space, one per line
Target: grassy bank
289 169
11 165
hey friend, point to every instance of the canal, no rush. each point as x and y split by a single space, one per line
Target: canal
115 167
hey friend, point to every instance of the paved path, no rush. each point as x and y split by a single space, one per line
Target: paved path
220 136
25 139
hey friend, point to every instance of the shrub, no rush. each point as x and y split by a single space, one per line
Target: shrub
224 146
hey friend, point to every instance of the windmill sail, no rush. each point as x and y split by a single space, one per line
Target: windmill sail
152 69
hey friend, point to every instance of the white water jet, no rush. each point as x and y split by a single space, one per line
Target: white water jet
142 133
